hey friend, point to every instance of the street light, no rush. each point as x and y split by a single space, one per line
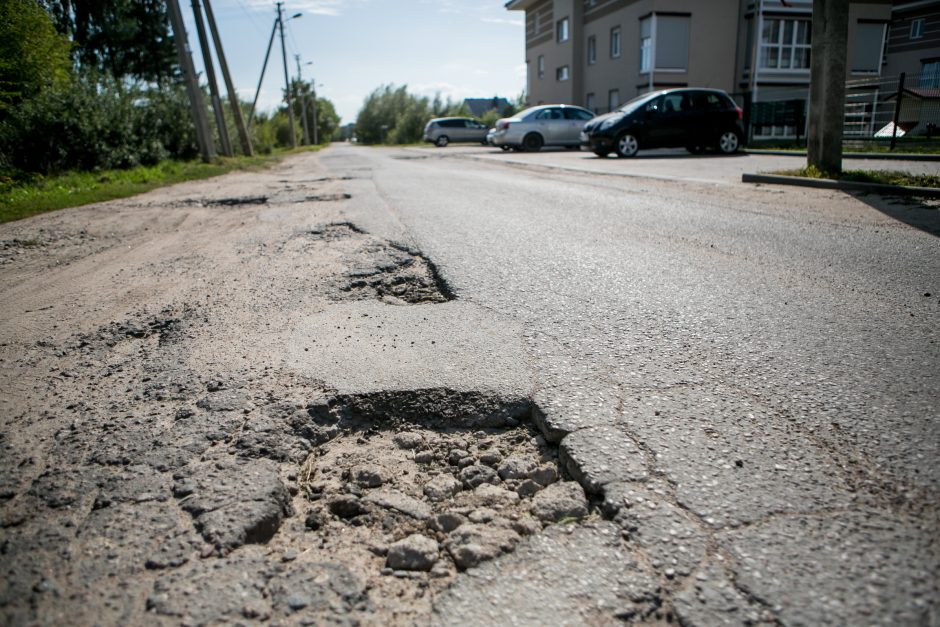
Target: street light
264 66
303 101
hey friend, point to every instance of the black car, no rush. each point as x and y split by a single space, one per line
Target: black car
696 119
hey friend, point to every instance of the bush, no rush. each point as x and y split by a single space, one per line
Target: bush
94 122
391 115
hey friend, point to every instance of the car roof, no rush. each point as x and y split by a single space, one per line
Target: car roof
451 118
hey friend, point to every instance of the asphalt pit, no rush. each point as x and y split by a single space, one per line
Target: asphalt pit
234 201
380 270
327 197
414 487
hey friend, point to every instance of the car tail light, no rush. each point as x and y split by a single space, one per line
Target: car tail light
740 112
502 125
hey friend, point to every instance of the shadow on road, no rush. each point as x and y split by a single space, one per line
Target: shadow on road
911 211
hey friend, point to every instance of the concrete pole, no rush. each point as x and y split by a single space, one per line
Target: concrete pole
197 106
229 86
290 109
303 100
316 125
213 84
827 85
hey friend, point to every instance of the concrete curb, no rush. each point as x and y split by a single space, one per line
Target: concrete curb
856 186
891 156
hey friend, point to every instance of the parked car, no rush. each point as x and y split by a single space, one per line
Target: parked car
544 125
696 119
442 131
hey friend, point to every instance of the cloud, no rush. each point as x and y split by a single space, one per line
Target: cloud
313 7
503 20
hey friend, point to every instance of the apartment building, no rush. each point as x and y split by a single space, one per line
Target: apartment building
601 53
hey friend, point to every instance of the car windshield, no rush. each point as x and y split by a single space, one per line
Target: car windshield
637 102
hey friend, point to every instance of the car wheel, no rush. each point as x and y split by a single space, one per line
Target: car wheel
442 141
729 142
602 153
506 148
695 150
627 145
533 142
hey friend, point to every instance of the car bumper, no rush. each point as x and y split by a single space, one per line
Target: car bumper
596 142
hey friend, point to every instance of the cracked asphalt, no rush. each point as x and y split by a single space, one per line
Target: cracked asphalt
743 381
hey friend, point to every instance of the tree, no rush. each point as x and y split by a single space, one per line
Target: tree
33 56
124 38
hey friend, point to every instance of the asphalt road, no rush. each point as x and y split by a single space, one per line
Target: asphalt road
746 377
306 395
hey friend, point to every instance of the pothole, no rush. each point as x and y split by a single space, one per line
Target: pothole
382 270
327 197
233 201
411 488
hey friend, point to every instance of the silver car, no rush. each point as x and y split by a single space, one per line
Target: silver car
442 131
544 125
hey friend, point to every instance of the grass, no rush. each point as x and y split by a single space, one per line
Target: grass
883 177
915 147
35 194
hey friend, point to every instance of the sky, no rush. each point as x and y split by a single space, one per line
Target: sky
458 48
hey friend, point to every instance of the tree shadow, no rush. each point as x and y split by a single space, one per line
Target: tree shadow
921 213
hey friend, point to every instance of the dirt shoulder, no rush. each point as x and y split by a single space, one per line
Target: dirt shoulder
169 454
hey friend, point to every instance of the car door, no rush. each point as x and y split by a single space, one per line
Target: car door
549 122
575 119
666 121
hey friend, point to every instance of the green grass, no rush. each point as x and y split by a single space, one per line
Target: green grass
915 147
883 177
32 194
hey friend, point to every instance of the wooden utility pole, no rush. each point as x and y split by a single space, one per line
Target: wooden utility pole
197 107
290 109
229 86
827 85
213 84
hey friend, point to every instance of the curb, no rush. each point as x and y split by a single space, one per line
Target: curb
888 156
857 186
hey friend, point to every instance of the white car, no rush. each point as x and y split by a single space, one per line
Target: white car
544 125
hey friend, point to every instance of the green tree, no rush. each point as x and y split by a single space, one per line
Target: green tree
124 38
33 56
392 115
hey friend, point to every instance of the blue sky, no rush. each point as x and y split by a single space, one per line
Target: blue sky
460 48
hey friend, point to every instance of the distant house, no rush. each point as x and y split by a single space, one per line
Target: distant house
479 106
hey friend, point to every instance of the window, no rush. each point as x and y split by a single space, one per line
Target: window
917 28
541 66
672 42
577 115
561 30
592 50
615 42
646 44
929 74
550 114
589 102
613 99
561 74
869 44
785 45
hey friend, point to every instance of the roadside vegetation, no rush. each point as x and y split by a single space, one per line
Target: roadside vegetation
391 115
913 146
92 106
883 177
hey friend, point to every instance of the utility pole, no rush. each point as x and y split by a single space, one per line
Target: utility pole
316 125
303 99
827 85
290 110
264 66
229 86
210 76
197 107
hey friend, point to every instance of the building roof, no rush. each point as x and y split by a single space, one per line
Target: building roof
479 106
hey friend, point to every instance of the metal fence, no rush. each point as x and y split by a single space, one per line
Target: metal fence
886 108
